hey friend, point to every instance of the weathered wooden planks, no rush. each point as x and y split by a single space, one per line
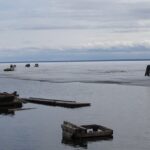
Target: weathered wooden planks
52 102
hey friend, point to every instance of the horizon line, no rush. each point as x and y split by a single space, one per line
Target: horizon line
45 61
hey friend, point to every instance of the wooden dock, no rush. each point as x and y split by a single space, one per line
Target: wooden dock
53 102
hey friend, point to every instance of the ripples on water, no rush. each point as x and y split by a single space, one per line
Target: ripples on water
123 108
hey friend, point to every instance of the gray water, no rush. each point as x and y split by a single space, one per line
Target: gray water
123 108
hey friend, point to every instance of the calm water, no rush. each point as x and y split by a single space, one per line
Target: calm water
123 108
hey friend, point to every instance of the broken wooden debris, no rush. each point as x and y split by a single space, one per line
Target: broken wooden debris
52 102
72 131
10 100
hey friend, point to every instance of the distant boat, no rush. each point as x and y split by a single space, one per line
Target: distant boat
85 131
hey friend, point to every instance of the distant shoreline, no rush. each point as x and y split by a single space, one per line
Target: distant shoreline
47 61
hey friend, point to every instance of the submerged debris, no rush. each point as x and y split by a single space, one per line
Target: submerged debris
8 100
52 102
72 131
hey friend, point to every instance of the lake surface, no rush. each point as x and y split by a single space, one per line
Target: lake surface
119 106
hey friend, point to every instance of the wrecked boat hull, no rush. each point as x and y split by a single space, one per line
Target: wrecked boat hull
8 100
85 131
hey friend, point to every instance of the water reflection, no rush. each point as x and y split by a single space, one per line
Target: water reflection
83 142
5 111
11 112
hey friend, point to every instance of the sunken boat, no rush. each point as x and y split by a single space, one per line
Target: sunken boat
9 100
72 131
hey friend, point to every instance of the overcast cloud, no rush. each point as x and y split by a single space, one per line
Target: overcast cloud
74 29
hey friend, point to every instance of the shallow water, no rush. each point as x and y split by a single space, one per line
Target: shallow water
123 108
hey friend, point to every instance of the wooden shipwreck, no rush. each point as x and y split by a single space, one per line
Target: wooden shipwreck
8 100
72 131
53 102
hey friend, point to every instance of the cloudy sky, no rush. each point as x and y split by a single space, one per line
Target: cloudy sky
74 29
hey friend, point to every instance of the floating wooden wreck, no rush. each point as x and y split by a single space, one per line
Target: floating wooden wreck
8 100
72 131
52 102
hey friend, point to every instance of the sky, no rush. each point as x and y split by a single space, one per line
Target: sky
53 30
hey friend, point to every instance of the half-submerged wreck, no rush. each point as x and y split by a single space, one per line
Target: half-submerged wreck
52 102
12 68
147 71
8 101
72 131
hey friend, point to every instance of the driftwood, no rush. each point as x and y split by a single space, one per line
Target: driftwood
52 102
